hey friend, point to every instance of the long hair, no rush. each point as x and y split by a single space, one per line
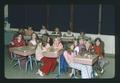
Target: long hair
101 45
37 38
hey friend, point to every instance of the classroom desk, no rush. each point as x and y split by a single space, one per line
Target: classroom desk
86 59
24 51
29 50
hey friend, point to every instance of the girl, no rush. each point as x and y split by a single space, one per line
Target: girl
57 44
99 50
86 70
49 64
34 40
19 41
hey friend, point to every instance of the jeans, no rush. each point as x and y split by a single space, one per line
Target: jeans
63 64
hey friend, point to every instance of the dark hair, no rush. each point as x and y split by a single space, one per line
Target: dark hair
98 40
101 44
51 41
17 34
44 44
36 36
68 48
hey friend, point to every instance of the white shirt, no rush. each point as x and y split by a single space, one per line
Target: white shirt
43 31
76 50
33 42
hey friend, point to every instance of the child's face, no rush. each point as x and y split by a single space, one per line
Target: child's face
33 36
69 31
88 44
43 27
19 37
81 41
56 29
97 43
56 40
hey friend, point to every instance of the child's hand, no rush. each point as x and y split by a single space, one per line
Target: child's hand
11 43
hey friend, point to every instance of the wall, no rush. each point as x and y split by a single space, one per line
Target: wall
85 17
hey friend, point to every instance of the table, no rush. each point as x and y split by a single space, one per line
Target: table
24 51
87 59
29 50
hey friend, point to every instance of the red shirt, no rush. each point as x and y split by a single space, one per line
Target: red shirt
18 44
98 50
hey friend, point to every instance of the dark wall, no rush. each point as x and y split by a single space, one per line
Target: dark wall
59 16
85 17
108 20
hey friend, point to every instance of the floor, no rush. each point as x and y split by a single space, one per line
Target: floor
15 73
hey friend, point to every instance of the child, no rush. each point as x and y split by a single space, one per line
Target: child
19 41
99 50
34 40
57 43
57 31
43 30
49 64
86 70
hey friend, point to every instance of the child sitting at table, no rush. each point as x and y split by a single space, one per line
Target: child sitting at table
81 46
43 30
49 64
69 55
19 41
57 31
34 40
99 50
29 31
57 44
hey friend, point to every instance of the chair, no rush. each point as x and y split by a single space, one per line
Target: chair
16 59
30 61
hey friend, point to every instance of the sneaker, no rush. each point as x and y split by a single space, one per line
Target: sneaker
96 74
40 73
102 71
70 74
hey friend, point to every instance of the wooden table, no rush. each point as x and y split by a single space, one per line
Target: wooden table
24 51
86 59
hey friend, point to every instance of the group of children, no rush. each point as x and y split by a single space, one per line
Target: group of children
72 50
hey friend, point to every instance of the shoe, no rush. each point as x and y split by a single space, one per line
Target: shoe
70 74
96 74
102 71
40 73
